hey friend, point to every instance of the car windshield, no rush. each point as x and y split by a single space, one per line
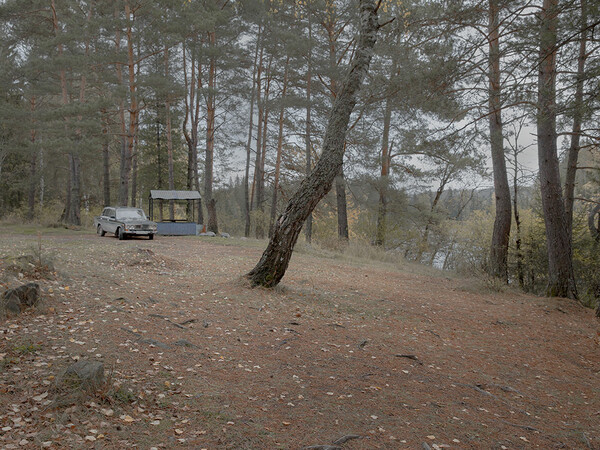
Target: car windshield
130 214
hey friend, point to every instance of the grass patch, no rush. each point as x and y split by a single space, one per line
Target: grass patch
26 348
36 263
32 229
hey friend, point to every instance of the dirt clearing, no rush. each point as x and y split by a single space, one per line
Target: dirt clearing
362 354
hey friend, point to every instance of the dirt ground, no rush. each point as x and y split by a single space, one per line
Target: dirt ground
196 359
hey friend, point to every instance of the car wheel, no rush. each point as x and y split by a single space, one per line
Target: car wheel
121 233
150 236
100 231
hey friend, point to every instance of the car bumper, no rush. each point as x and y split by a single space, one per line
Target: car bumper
140 232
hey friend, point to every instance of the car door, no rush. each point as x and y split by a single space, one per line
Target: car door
111 220
103 219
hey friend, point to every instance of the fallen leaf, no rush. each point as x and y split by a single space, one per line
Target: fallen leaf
39 398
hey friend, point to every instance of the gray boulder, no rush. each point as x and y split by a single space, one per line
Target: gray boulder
20 298
84 373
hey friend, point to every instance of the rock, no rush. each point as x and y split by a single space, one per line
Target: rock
154 342
208 233
18 299
85 373
225 235
184 343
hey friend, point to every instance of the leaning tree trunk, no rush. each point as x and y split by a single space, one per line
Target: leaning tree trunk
561 280
502 221
275 259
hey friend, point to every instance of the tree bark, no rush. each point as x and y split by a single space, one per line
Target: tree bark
262 153
192 112
249 143
573 153
211 206
502 221
169 139
279 148
561 280
105 163
73 213
259 128
32 165
133 109
275 259
73 201
385 172
210 136
134 172
342 212
518 240
340 183
159 163
425 239
307 139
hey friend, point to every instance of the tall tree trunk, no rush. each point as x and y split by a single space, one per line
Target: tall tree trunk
385 172
133 108
32 186
260 180
41 172
561 280
259 127
73 213
279 148
340 183
573 154
518 241
212 225
425 239
72 203
210 135
342 213
169 139
275 259
307 139
68 189
249 143
123 181
159 178
192 112
106 163
502 222
134 172
32 165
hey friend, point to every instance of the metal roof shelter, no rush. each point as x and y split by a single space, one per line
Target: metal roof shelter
157 194
176 227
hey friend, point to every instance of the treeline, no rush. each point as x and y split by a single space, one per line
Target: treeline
103 101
